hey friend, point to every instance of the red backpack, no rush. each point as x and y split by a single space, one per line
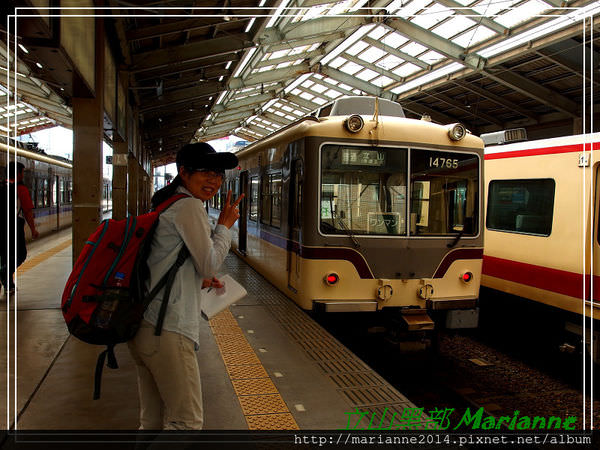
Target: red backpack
105 296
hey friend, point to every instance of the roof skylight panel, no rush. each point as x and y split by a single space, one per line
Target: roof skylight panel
467 2
331 93
345 86
263 69
394 40
372 54
490 7
406 69
306 96
337 62
307 83
366 74
319 101
288 63
389 62
298 50
284 107
432 16
318 88
280 53
382 81
521 13
474 36
357 48
414 49
377 32
453 26
351 68
431 57
408 10
296 91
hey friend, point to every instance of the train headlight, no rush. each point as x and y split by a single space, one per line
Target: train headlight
354 123
331 279
466 277
457 131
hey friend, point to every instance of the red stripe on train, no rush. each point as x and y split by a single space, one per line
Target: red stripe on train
542 151
559 281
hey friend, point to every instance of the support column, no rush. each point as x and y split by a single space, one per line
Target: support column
87 153
143 179
132 173
119 181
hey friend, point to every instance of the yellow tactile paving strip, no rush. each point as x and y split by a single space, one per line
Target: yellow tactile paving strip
30 263
263 407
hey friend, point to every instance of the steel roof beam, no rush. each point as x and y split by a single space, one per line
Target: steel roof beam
495 98
247 101
180 26
232 113
536 91
474 15
420 109
397 53
268 76
373 67
356 83
311 28
176 68
435 42
184 95
195 51
275 118
285 45
454 104
329 85
300 101
288 58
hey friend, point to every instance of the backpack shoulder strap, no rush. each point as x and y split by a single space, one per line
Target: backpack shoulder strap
168 202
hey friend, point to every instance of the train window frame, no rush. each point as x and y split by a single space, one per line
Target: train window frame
490 207
254 198
269 198
478 204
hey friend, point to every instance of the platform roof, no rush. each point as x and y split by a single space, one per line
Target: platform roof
249 67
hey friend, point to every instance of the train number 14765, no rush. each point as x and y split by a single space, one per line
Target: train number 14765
443 162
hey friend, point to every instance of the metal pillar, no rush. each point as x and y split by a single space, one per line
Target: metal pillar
132 192
87 153
119 181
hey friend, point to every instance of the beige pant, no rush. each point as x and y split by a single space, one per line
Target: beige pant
168 380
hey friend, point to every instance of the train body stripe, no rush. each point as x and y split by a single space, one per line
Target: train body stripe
540 277
541 151
460 253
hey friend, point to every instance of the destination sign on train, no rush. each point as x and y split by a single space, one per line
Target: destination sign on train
359 157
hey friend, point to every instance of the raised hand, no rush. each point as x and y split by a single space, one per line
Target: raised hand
230 213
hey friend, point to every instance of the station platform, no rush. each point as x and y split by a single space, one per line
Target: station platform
265 364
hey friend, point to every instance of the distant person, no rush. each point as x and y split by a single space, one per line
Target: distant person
167 366
23 210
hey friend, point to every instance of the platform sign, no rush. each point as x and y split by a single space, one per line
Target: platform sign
384 223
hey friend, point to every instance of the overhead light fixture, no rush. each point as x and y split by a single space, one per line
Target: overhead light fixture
228 65
221 96
39 65
23 48
244 62
249 26
221 78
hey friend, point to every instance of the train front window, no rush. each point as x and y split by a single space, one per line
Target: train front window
363 190
444 193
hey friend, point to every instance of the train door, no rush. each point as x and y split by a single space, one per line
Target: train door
57 193
243 220
294 225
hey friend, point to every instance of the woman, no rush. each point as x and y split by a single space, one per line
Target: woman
168 373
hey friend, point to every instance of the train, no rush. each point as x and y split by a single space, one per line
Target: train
356 208
542 232
50 183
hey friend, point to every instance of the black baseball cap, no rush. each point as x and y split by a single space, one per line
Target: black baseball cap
201 155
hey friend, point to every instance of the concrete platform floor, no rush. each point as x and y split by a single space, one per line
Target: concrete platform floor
265 364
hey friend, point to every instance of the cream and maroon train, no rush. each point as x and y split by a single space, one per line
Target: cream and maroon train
327 217
542 239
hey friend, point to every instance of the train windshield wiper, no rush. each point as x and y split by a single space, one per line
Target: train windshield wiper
346 229
457 238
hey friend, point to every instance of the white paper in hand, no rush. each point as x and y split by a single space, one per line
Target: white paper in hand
213 301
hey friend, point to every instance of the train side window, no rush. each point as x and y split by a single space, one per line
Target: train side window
265 205
275 186
253 199
521 206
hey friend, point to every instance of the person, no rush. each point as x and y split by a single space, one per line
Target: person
167 369
12 235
